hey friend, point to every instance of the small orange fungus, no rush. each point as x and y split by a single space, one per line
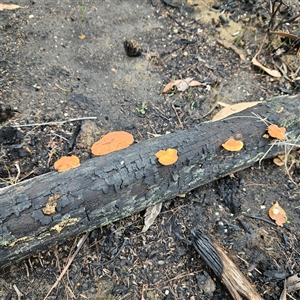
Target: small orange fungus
233 145
66 162
167 157
276 132
113 141
277 214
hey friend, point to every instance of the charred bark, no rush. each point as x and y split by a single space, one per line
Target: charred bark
44 211
224 268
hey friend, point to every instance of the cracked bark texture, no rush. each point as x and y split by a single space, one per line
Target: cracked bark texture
105 189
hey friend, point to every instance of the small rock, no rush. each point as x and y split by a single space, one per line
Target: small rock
9 135
170 296
6 112
119 290
205 283
291 185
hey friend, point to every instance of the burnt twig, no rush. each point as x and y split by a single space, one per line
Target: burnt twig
236 283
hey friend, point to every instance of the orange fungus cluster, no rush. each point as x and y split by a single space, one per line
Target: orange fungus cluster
276 132
233 145
66 162
167 157
113 141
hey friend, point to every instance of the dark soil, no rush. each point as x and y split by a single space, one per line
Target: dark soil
63 60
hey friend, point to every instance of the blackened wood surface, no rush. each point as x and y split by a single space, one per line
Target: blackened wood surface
108 188
234 280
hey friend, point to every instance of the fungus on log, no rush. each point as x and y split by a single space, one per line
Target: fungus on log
110 187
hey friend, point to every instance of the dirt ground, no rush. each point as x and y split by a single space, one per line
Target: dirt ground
63 60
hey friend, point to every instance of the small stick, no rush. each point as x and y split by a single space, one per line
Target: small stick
210 111
177 116
55 123
210 8
111 260
20 295
67 91
19 172
42 90
287 153
162 114
259 218
224 268
79 245
247 264
26 267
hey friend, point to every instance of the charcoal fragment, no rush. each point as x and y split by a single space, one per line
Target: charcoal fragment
133 48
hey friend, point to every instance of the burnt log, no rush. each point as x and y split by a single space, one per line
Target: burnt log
44 211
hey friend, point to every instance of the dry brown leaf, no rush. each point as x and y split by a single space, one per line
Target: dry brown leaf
279 160
195 83
242 57
277 214
184 84
293 283
181 195
232 109
9 6
151 213
283 293
273 73
170 85
285 34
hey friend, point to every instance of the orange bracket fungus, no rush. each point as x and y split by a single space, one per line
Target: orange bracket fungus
233 145
113 141
277 214
66 162
276 132
167 157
